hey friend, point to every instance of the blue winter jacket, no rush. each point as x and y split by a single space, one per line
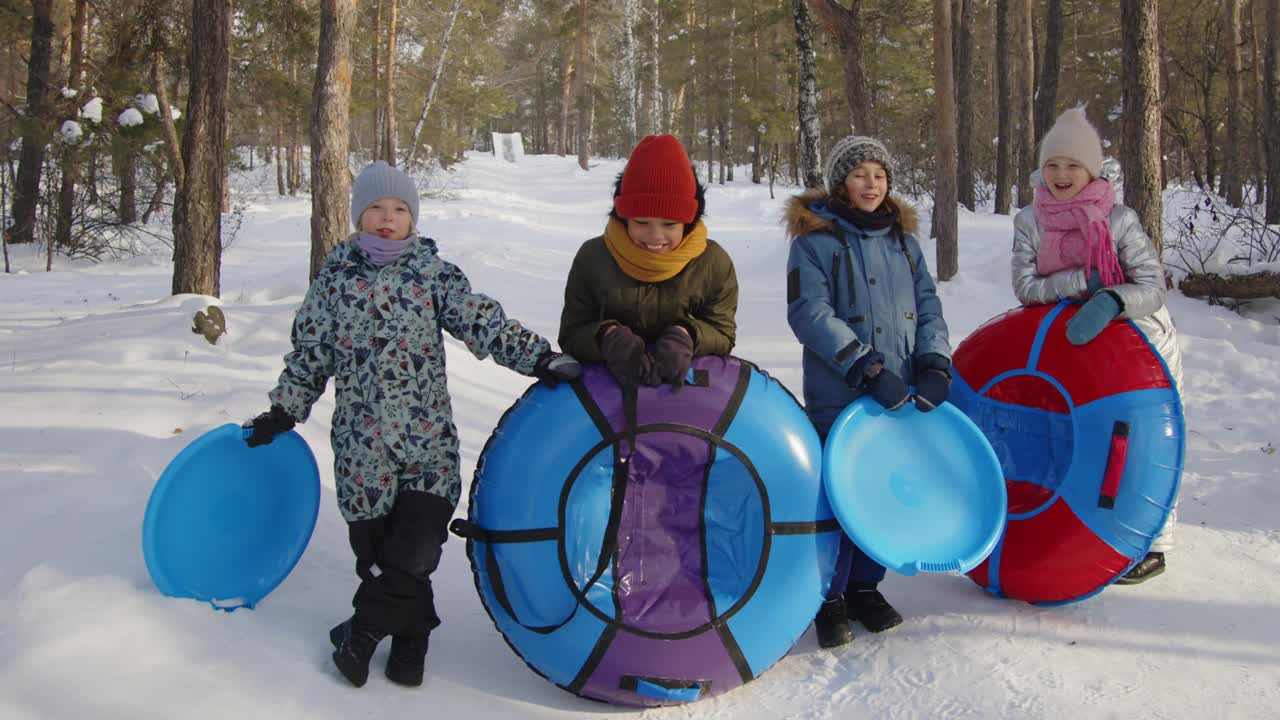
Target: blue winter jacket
849 295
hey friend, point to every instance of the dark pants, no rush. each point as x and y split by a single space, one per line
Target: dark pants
854 568
405 545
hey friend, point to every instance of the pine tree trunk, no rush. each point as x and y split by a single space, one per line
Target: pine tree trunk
1140 85
566 98
1050 69
726 124
1233 173
1271 96
965 180
71 156
389 93
376 145
846 27
809 165
1026 106
583 94
330 125
124 162
1259 104
1004 105
280 159
945 221
197 222
36 131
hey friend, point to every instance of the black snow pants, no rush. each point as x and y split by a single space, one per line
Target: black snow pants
395 556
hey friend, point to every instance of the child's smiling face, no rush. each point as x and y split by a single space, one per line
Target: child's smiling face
657 235
388 218
867 184
1065 177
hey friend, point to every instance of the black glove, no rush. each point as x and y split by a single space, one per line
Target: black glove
672 355
868 374
553 367
625 356
933 381
268 425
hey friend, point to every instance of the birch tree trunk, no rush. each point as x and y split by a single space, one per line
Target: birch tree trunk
655 84
810 157
566 98
158 82
35 131
330 127
1141 111
197 222
944 215
435 83
627 73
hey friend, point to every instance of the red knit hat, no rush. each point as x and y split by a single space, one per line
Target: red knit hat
658 182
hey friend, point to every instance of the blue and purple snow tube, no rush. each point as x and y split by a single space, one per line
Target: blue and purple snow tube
652 549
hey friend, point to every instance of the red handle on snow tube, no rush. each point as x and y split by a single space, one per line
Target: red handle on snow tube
1115 465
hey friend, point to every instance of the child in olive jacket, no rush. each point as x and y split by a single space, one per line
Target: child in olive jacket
653 291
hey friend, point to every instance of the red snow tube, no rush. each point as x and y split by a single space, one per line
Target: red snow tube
1090 439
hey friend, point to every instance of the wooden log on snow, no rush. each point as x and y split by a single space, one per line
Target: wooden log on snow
1240 287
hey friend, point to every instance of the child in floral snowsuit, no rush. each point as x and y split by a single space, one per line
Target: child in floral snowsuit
373 320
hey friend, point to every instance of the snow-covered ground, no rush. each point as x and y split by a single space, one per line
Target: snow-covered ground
102 383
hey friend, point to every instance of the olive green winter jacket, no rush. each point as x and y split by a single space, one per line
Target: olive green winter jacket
703 297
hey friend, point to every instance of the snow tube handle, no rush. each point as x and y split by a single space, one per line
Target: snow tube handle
1115 465
664 688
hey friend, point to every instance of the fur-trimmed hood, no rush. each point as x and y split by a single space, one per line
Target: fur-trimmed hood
800 217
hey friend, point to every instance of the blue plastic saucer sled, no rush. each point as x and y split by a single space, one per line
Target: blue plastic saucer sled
915 491
226 523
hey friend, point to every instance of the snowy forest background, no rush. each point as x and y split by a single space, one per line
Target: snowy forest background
120 123
163 158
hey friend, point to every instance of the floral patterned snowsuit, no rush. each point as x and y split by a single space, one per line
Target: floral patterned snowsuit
378 332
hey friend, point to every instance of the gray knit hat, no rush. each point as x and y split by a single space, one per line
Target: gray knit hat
851 152
380 180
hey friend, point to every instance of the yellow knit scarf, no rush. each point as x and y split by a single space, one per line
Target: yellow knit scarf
652 267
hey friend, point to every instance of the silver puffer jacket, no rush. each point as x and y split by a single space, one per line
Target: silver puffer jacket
1142 296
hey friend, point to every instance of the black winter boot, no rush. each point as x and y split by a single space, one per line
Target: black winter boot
408 659
866 605
1147 568
354 642
832 624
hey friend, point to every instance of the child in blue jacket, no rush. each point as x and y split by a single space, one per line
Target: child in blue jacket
862 303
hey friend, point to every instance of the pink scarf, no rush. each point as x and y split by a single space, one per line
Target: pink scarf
1075 233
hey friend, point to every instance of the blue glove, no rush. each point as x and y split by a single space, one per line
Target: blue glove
1101 309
